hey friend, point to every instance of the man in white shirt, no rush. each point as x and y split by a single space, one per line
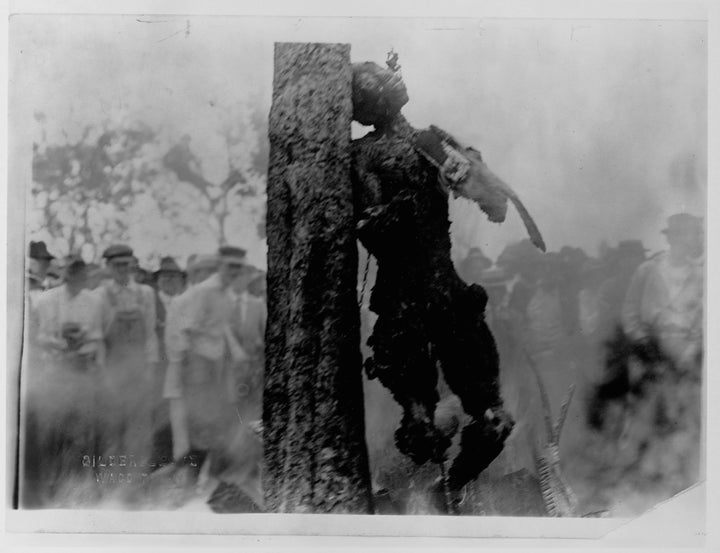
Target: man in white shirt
129 320
61 387
665 296
201 347
199 269
663 317
168 282
70 321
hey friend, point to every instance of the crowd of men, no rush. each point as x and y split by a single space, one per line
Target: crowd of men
129 372
624 328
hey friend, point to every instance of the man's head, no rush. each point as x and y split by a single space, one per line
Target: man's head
685 234
75 273
232 263
378 94
551 270
629 255
170 277
96 275
41 259
247 275
120 262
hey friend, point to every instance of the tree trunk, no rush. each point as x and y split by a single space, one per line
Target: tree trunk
315 453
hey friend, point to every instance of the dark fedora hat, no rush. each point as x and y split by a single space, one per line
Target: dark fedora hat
683 222
168 265
38 250
631 248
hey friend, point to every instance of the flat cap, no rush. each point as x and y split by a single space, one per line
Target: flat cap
232 254
118 250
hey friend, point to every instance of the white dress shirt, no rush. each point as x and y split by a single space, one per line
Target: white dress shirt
56 306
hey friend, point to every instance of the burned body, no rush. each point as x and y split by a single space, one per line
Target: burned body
428 318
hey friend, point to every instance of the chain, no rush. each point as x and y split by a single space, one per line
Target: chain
365 276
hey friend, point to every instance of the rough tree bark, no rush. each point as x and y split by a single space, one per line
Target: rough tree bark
315 453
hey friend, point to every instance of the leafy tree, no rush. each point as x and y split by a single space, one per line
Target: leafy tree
241 192
120 179
84 188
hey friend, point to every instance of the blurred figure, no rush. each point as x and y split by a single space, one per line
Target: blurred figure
169 278
169 281
61 399
622 263
70 319
665 296
96 276
40 259
249 330
129 323
554 353
199 269
35 282
201 348
258 286
238 463
591 350
593 277
495 282
473 265
572 261
648 408
140 274
545 328
522 263
54 274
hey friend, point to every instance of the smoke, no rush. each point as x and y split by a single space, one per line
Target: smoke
599 126
589 129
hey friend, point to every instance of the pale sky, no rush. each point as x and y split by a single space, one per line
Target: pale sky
599 125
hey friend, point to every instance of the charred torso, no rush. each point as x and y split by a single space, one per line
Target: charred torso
427 317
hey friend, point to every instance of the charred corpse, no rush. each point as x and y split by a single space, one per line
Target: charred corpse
428 318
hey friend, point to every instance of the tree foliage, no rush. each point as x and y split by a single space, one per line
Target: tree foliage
84 188
91 189
241 190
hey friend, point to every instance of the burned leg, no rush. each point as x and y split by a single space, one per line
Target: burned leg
470 365
402 359
402 363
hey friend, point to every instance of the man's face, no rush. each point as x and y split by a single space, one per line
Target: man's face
120 268
77 280
688 240
244 278
258 287
230 270
42 267
170 283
